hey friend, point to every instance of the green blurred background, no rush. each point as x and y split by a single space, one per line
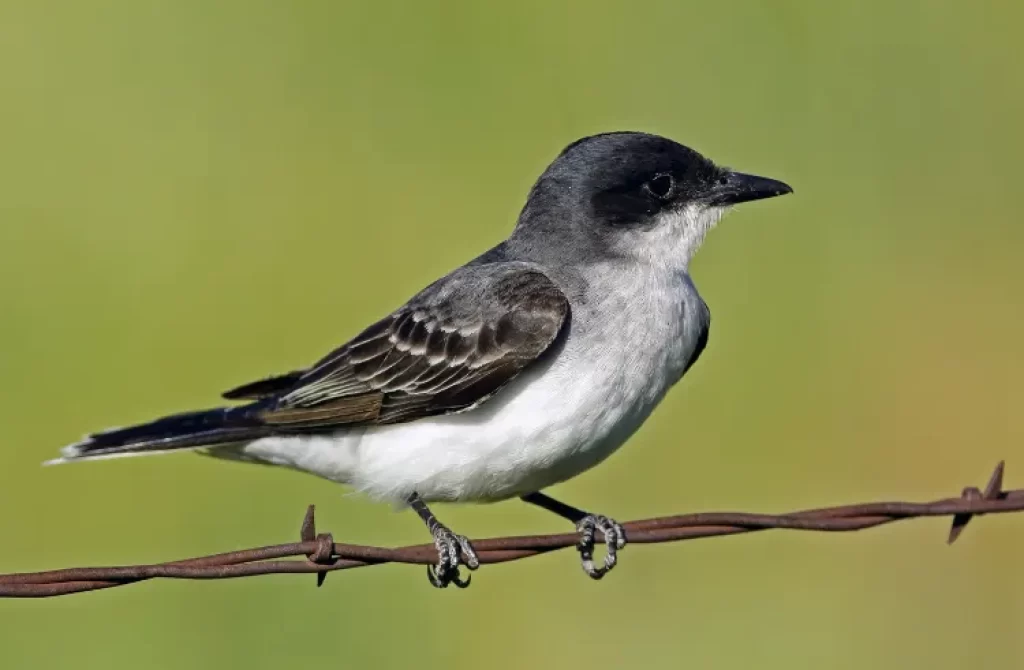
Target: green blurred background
194 193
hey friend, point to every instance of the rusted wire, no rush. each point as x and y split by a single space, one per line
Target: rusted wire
321 554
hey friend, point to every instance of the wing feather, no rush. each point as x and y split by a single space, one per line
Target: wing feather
447 350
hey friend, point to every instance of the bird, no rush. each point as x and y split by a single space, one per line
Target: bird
521 369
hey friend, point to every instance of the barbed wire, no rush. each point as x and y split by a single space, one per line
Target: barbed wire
321 554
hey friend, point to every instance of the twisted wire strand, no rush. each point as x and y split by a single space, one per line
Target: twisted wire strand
319 554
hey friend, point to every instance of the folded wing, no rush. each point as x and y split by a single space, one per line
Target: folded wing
448 349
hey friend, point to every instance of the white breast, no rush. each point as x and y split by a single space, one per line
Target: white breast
624 350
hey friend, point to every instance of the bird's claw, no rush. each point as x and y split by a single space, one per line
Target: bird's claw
449 546
614 539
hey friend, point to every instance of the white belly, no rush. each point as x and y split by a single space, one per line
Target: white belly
548 425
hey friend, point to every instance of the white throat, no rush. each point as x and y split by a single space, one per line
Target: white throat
677 235
693 223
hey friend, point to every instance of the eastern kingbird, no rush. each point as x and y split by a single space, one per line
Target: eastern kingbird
519 370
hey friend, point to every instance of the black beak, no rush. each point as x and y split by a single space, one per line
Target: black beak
733 188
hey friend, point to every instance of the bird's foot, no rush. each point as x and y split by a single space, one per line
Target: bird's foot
614 539
449 546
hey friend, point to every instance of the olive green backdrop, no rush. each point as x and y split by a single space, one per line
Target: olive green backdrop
195 193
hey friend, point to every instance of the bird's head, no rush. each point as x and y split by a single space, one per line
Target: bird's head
635 196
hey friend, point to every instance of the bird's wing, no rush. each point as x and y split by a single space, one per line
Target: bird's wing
448 349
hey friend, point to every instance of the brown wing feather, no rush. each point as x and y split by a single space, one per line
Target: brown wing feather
353 409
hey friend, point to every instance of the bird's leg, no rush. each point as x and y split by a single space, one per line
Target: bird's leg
448 547
586 525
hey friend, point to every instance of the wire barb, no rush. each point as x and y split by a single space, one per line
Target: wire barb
993 491
320 554
324 552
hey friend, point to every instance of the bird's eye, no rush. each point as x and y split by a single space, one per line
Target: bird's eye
661 186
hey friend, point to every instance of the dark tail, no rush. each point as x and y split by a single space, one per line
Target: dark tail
179 431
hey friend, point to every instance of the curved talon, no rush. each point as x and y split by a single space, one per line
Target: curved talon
449 545
614 539
449 578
